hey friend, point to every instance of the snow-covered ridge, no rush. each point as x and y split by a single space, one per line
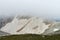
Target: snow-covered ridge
33 25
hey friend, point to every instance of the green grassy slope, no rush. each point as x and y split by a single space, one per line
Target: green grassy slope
30 37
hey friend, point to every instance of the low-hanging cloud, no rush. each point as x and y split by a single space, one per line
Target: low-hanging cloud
43 8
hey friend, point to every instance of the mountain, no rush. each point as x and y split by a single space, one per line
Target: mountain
26 25
30 25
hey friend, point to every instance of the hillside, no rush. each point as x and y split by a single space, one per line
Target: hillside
30 37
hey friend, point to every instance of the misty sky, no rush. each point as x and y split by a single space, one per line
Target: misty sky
43 8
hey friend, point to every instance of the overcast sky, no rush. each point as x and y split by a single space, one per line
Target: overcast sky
43 8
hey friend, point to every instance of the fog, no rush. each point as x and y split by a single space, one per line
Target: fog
42 8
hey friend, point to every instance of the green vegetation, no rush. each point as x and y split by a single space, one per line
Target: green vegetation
30 37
